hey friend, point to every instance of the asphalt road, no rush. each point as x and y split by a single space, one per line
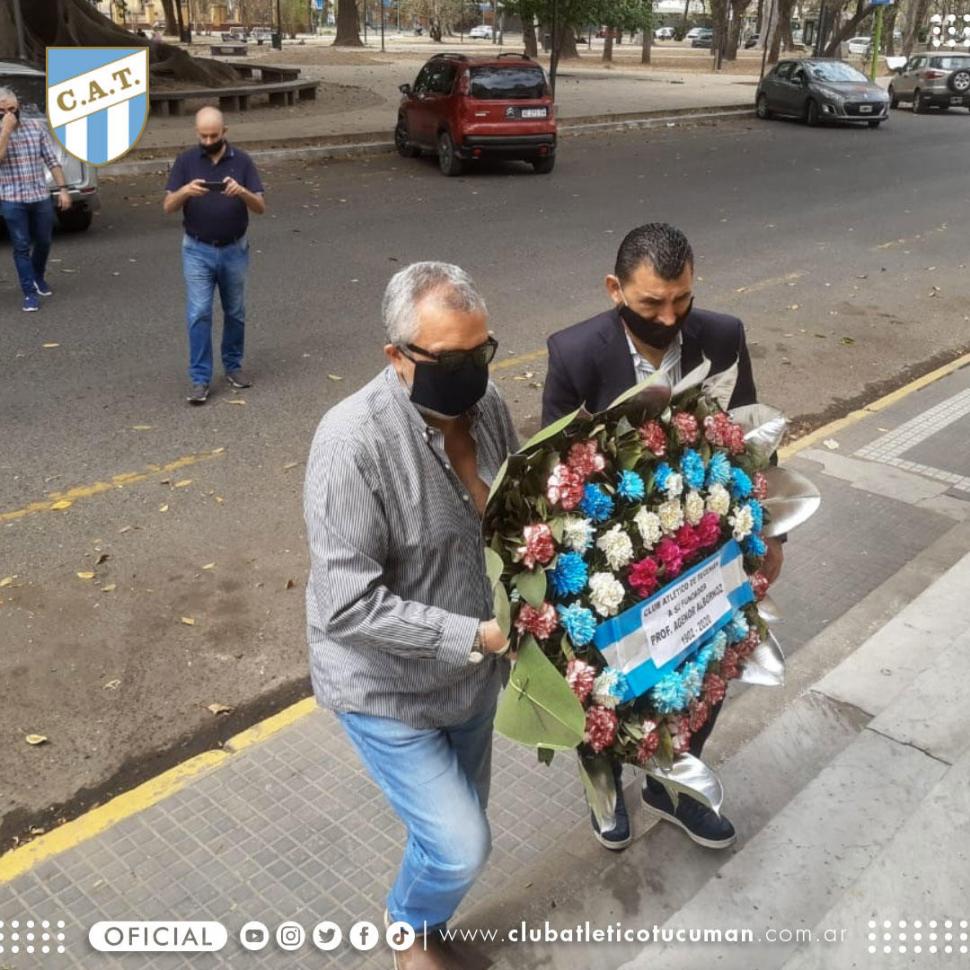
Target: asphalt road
844 250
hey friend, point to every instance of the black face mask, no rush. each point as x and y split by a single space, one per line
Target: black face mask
15 113
650 331
213 148
448 393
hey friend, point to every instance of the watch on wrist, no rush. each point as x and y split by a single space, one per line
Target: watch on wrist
477 653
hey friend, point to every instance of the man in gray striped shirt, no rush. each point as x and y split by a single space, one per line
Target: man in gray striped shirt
403 646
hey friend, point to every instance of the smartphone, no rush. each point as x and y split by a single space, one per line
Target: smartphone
215 186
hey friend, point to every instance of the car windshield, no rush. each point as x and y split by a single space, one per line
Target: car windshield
950 63
507 83
836 72
30 89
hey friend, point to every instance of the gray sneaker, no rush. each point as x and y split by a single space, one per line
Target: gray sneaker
238 378
199 394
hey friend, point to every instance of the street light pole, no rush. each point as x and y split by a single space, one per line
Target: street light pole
19 21
382 24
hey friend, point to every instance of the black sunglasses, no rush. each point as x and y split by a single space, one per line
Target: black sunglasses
481 356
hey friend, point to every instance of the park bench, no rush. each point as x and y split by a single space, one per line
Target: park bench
268 73
235 98
228 50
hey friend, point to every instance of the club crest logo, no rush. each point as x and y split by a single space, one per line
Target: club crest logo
97 99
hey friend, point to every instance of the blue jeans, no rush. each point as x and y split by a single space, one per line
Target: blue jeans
206 267
30 226
437 782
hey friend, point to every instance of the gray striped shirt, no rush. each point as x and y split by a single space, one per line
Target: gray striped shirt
397 582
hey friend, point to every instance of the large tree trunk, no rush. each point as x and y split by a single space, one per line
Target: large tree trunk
529 37
608 45
171 21
915 15
782 29
348 33
889 29
75 23
738 10
848 29
647 47
567 45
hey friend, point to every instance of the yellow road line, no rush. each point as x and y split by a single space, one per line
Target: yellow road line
58 501
71 834
519 360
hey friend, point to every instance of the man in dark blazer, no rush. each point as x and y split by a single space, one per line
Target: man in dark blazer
653 326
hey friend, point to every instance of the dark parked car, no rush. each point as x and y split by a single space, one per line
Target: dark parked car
752 41
821 89
703 38
468 108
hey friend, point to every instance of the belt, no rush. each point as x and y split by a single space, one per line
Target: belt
218 243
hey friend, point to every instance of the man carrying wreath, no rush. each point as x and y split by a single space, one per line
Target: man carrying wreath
652 327
403 646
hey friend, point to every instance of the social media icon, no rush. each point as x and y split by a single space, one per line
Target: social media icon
364 935
327 935
290 936
254 936
400 936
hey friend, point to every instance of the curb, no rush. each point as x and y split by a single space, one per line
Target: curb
377 142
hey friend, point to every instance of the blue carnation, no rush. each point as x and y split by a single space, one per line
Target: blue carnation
661 475
570 575
719 644
692 468
705 657
693 681
596 504
631 487
669 695
737 629
718 469
611 683
578 622
755 546
757 514
740 483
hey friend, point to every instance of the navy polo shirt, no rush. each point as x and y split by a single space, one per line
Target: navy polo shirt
214 217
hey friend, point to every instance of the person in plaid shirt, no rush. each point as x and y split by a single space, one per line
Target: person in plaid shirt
25 203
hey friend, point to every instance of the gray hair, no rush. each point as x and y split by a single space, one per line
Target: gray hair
449 284
7 95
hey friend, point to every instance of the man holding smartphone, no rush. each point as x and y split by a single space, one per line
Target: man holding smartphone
25 199
216 186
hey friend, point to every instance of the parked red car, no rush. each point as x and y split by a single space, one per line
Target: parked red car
468 108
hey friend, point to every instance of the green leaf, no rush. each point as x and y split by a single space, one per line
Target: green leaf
596 772
550 431
494 567
655 379
503 609
538 708
556 527
532 586
566 647
545 755
629 455
497 482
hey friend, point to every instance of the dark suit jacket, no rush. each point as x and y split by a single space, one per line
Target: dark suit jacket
590 363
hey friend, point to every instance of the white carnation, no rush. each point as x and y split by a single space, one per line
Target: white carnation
693 508
671 516
675 486
616 546
743 522
577 534
606 688
719 500
648 524
605 593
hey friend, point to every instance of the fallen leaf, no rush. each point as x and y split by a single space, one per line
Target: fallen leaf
185 482
163 508
110 588
290 584
188 620
831 444
848 341
220 499
289 465
124 529
237 400
6 581
104 557
218 451
219 709
85 575
209 565
112 685
50 346
35 739
141 427
335 377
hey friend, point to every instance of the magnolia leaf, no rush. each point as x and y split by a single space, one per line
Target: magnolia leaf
538 708
497 482
556 527
494 567
551 430
532 586
689 776
765 665
545 755
792 499
503 610
764 427
596 771
768 611
694 379
653 394
720 387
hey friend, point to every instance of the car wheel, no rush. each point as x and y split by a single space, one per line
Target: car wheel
448 161
761 107
544 165
74 220
811 113
404 148
893 100
959 82
920 104
874 124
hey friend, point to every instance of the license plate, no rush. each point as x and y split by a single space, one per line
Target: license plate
958 99
865 109
534 113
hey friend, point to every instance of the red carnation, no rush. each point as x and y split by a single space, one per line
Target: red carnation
709 530
540 623
759 486
679 733
759 583
688 539
601 725
643 576
585 459
714 689
565 487
539 546
686 427
648 747
699 712
747 646
722 432
580 677
654 438
669 554
730 664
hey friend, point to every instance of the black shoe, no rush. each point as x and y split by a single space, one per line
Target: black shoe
696 819
238 378
618 837
199 394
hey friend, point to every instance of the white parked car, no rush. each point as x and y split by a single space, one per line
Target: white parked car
859 45
482 32
664 33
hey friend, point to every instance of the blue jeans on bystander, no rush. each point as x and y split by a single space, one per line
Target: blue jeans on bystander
30 226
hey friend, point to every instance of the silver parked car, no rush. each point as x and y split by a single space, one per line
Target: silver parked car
30 86
820 89
933 80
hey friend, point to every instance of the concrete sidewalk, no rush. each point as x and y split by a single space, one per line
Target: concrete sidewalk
850 775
